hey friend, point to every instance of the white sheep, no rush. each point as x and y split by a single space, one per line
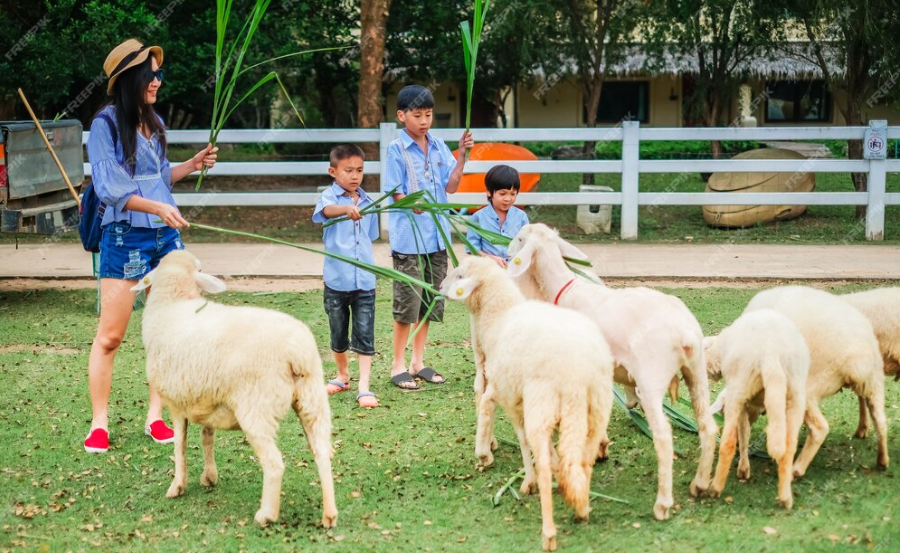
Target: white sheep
843 353
882 307
652 336
765 362
233 368
549 368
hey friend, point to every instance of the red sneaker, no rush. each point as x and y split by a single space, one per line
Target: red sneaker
160 433
97 441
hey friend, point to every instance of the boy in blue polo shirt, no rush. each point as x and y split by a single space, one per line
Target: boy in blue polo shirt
349 290
500 215
418 161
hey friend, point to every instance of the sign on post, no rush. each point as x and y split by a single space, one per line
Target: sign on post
875 140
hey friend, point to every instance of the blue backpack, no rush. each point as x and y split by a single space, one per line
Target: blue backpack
92 209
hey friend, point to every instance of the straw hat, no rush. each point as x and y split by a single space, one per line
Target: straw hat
127 55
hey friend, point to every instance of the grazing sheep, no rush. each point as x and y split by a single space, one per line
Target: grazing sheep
233 368
843 353
652 336
549 368
882 307
765 362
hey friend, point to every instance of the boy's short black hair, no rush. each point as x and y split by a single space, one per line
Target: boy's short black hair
345 151
501 177
414 97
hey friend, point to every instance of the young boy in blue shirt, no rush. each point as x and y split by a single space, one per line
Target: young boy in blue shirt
349 291
500 215
418 161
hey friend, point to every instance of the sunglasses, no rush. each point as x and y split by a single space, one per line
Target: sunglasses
158 74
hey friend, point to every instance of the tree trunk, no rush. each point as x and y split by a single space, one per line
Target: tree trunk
853 114
373 22
591 104
713 121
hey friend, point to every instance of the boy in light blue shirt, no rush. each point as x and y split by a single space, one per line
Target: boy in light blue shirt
348 289
500 215
418 161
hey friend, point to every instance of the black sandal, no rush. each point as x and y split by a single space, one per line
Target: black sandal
428 375
401 378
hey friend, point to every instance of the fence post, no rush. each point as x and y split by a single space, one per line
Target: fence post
388 130
630 177
875 207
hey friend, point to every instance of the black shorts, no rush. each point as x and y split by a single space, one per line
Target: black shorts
340 306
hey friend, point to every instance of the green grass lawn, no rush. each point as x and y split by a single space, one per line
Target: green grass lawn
405 473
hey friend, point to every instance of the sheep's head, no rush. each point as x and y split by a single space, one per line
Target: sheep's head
538 245
179 273
713 358
465 279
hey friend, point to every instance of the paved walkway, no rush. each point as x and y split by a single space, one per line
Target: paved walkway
645 261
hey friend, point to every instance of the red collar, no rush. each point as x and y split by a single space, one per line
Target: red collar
562 291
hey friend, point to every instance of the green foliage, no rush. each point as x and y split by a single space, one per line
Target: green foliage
676 149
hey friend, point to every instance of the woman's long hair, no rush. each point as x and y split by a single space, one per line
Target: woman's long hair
131 110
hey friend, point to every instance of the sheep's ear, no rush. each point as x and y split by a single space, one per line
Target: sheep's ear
462 289
209 283
145 282
570 251
522 260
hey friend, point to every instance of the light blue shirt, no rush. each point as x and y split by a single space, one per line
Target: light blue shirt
488 219
348 238
440 163
152 178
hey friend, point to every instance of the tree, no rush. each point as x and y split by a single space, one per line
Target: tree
855 48
721 37
373 31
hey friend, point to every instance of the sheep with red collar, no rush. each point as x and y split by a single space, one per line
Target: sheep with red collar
233 368
652 336
882 307
549 368
765 363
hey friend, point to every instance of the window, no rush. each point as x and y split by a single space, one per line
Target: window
624 101
797 102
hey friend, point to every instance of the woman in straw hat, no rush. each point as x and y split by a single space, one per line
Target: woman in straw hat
133 179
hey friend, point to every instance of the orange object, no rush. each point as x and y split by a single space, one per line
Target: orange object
498 151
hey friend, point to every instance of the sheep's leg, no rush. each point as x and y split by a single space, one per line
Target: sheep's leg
743 471
316 421
818 430
545 485
210 473
485 428
733 415
651 401
697 382
179 483
631 397
875 402
261 436
480 381
530 480
785 464
863 429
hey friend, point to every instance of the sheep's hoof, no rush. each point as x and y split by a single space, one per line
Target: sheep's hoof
798 472
743 473
549 543
698 488
861 432
329 520
209 478
788 502
661 511
485 460
263 518
494 444
714 491
527 487
582 514
175 490
883 461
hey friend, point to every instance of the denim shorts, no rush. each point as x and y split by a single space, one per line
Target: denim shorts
411 302
129 253
339 306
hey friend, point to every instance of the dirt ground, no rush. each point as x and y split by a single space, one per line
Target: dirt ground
306 284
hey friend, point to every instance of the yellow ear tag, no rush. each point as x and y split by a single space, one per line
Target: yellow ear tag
147 281
517 261
459 291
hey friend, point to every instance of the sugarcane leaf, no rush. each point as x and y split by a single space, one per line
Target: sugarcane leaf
301 53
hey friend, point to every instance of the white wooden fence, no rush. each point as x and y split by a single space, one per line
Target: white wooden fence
630 167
